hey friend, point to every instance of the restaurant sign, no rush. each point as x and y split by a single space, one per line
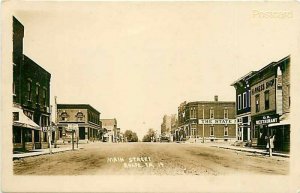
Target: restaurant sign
267 119
217 121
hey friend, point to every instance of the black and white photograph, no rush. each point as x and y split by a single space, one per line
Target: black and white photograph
150 96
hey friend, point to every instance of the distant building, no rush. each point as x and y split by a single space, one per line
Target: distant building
243 107
166 126
31 97
206 120
110 125
270 97
84 115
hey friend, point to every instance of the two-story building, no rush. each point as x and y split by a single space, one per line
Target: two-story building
270 96
31 97
206 121
84 116
243 107
110 126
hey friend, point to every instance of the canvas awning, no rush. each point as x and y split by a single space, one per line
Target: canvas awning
284 122
24 121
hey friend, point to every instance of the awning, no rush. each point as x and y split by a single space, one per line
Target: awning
24 121
284 122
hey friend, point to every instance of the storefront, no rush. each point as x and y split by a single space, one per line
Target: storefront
25 131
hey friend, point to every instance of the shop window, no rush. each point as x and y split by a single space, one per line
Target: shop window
267 100
16 135
257 103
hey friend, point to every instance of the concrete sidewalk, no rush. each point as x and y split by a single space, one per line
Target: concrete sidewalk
248 149
38 152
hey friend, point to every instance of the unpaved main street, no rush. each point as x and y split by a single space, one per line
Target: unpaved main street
150 159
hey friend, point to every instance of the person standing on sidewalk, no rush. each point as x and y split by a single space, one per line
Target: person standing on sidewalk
272 139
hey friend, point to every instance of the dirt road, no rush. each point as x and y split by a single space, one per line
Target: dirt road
151 159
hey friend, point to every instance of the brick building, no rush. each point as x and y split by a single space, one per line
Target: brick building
110 126
270 96
243 107
84 115
31 97
206 120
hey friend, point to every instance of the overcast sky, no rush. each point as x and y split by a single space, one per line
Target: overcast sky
138 61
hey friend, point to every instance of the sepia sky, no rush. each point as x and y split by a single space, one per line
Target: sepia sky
138 61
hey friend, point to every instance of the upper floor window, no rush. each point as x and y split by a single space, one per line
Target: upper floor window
249 98
193 112
29 90
14 88
225 113
211 114
37 93
45 96
64 116
15 116
267 100
239 102
244 100
257 103
80 116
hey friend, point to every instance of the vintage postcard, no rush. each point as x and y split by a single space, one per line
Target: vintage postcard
148 96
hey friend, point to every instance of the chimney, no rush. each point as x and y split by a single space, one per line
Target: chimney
216 98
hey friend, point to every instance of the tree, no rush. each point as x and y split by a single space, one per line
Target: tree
150 136
131 136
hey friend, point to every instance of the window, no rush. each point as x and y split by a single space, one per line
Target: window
16 116
212 132
225 113
267 100
244 100
37 93
14 88
239 102
211 114
45 97
64 116
257 101
79 116
226 131
193 112
249 98
29 90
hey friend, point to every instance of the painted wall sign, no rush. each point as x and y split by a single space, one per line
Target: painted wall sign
217 121
263 120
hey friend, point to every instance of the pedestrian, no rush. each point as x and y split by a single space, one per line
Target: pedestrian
271 142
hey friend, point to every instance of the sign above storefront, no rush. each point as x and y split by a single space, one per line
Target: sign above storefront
267 119
217 121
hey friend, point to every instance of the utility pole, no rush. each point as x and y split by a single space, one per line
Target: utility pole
269 141
55 133
50 131
202 123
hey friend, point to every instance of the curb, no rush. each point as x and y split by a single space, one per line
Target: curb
253 151
42 153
